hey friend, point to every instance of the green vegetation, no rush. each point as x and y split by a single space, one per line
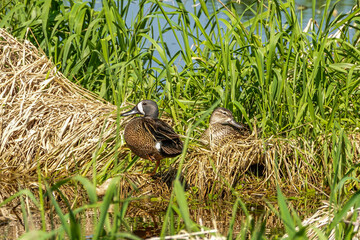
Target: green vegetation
291 83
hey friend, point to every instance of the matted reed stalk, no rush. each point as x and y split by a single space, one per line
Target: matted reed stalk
325 215
218 171
137 184
47 122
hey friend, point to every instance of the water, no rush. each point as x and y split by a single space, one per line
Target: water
145 218
303 10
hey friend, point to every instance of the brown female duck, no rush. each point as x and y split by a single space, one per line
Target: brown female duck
149 137
222 128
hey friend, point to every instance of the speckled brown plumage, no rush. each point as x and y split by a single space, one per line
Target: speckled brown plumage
222 129
142 133
149 137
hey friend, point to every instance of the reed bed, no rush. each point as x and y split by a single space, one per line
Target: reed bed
297 82
138 184
287 162
49 125
218 170
317 223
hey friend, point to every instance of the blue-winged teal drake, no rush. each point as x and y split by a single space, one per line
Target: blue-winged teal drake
222 128
149 137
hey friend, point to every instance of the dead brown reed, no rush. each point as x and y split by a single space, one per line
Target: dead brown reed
51 126
47 122
218 170
324 216
137 184
285 161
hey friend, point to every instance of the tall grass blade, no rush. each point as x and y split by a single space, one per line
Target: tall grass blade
107 200
183 206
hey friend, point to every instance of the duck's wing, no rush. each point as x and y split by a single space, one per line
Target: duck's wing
163 133
160 130
205 137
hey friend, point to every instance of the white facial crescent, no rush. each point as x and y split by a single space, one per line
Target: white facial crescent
140 108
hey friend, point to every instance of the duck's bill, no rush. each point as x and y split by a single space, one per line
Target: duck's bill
131 112
235 124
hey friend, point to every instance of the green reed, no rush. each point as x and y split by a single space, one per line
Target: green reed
292 81
296 84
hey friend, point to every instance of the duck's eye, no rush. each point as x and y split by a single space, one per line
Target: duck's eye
144 103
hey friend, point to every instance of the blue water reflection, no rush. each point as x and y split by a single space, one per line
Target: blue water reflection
244 8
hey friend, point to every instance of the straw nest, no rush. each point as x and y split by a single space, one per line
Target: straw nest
250 165
214 171
47 122
219 171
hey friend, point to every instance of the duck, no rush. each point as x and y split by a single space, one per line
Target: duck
222 128
148 136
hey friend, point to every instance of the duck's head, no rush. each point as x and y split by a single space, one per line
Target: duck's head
148 108
224 116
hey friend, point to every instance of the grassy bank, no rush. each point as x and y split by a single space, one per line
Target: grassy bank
294 83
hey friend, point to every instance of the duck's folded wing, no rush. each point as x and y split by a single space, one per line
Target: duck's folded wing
162 132
205 137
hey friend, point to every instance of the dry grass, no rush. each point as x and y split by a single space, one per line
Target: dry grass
203 235
213 171
325 215
218 171
137 185
47 122
51 126
295 164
